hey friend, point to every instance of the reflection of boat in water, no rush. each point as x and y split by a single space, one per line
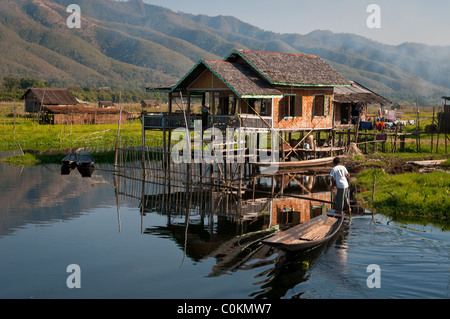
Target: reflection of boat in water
66 169
86 170
85 160
309 234
70 159
239 250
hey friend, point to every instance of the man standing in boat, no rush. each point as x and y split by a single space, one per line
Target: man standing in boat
340 176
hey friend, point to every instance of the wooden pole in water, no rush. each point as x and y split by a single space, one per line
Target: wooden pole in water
118 134
417 126
14 124
373 189
432 123
439 131
143 147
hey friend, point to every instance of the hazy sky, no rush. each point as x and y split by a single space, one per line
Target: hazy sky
422 21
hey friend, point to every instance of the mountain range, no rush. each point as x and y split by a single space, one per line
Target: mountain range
133 45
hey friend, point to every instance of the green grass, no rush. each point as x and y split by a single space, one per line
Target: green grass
22 160
28 134
446 163
50 143
31 159
410 194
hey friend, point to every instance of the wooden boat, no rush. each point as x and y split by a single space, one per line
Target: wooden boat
85 160
298 164
309 234
70 159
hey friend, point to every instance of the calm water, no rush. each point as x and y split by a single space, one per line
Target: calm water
49 221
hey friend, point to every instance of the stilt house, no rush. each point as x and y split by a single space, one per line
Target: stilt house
256 90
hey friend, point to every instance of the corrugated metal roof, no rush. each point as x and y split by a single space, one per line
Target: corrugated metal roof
48 96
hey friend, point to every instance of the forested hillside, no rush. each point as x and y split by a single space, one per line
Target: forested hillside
131 45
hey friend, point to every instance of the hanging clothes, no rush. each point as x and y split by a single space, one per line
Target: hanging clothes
380 126
365 125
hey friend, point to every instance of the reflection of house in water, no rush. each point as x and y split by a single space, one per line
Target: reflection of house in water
288 212
294 195
206 219
217 218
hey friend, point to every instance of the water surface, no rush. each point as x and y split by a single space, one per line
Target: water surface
49 221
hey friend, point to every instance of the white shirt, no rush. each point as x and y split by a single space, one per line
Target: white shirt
338 173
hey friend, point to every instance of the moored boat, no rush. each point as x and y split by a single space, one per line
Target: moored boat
70 159
85 160
297 164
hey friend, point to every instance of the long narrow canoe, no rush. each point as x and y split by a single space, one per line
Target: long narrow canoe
298 164
309 234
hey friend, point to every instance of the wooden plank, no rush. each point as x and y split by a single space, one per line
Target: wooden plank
427 163
316 233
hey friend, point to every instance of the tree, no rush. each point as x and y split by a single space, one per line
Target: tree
10 83
26 83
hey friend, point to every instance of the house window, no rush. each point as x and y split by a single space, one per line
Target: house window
322 105
259 106
292 105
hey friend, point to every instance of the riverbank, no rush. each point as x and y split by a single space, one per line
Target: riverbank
393 163
33 157
399 186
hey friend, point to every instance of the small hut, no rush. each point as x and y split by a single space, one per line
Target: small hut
37 98
105 104
150 104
